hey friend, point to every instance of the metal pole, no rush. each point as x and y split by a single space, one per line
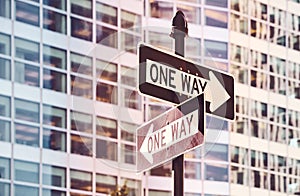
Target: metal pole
179 32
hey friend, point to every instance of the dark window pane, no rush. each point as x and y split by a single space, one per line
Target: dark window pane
54 140
5 8
54 57
27 13
54 21
60 4
81 180
105 183
54 116
81 87
82 7
219 3
81 29
47 192
106 93
106 150
107 36
81 145
216 18
55 80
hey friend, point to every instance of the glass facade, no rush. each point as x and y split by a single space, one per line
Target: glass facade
69 106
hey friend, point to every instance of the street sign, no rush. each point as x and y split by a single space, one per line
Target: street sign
171 134
172 78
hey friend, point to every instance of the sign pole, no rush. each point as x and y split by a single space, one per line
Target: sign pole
179 32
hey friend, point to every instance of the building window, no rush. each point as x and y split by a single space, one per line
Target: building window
81 87
4 168
216 18
128 76
106 13
239 23
4 131
105 184
216 152
26 171
216 172
106 70
5 6
239 6
81 122
161 9
81 64
59 4
54 80
54 116
54 176
27 74
27 13
54 57
129 42
128 131
219 3
106 150
54 21
82 8
192 170
134 186
81 145
160 40
4 106
4 44
48 192
27 50
239 175
107 36
128 154
54 140
106 127
130 20
27 135
5 188
107 93
81 29
21 190
215 49
81 180
130 99
28 111
5 67
192 14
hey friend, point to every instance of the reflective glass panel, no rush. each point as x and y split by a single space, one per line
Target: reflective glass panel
216 18
27 74
27 13
54 140
59 4
26 110
107 36
81 87
5 67
54 57
82 7
4 168
26 171
26 135
4 106
81 180
81 29
48 192
106 150
54 80
54 21
54 176
4 44
81 145
5 189
27 50
106 93
54 116
106 127
105 183
4 131
128 76
81 64
5 8
81 122
21 190
130 20
106 13
106 70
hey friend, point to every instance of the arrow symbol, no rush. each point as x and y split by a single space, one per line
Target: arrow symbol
216 93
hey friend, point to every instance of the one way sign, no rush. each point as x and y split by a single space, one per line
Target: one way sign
174 79
170 134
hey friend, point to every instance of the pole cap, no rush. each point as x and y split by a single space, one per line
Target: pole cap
179 24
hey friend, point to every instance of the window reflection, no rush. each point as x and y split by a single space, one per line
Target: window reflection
128 154
81 29
21 190
4 106
54 176
106 13
54 116
107 36
4 44
81 145
215 49
54 57
106 150
128 76
81 180
216 18
106 127
130 20
130 99
26 172
160 40
216 172
4 131
81 87
54 80
27 13
5 8
129 42
25 110
54 21
27 50
81 122
27 74
4 168
81 64
192 170
105 183
54 140
106 93
239 23
128 131
27 135
239 175
5 69
47 192
59 4
5 188
161 9
106 70
82 7
219 3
